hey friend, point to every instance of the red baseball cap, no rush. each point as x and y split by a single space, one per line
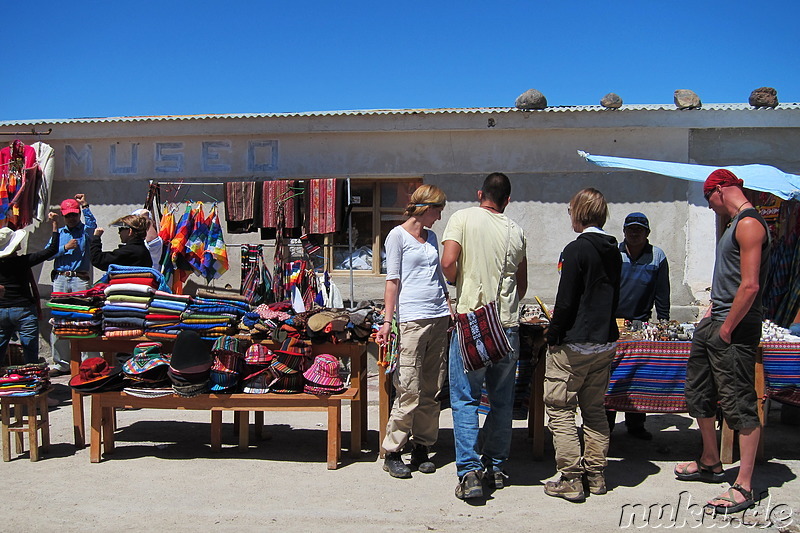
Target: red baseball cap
70 206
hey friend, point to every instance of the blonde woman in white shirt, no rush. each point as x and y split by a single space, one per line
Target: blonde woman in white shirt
416 291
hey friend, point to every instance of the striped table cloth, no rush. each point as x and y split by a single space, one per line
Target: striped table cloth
649 377
782 371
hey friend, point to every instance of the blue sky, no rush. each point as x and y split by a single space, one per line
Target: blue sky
121 58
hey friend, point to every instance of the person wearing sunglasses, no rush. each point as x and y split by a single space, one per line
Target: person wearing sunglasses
132 252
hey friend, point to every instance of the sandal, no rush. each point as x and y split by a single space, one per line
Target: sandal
704 473
735 506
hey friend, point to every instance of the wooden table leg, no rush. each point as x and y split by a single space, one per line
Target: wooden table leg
243 418
45 421
216 431
109 426
33 426
19 440
259 425
96 433
77 400
5 413
536 407
334 433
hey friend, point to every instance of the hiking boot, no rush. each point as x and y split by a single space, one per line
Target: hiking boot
470 486
596 483
419 458
394 464
497 478
569 489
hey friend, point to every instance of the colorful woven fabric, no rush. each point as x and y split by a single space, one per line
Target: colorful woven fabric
321 208
481 337
215 255
782 371
648 376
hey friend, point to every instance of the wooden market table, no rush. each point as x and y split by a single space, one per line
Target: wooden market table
102 416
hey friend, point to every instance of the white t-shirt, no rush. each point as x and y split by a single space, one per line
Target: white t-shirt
416 265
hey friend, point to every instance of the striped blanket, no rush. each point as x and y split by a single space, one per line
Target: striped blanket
648 376
782 371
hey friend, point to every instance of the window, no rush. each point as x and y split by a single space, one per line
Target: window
377 207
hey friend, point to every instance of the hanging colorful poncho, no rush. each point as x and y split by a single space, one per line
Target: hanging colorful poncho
215 256
183 230
196 242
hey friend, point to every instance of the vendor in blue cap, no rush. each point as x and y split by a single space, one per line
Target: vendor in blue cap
644 282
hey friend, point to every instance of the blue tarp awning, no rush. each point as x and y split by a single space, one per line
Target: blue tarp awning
763 178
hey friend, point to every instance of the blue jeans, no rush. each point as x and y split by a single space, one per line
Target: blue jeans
465 397
60 347
25 323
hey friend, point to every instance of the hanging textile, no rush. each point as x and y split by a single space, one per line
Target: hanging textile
45 160
17 173
242 206
215 254
196 242
321 205
180 265
277 194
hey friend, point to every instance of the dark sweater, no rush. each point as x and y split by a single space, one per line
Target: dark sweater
16 276
132 253
588 292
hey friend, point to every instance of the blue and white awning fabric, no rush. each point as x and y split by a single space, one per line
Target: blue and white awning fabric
763 178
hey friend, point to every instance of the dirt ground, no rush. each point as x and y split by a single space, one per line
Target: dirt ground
164 477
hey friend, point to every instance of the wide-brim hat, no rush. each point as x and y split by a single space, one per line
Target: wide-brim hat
190 391
92 370
258 354
146 357
190 354
222 381
324 372
288 362
259 383
288 384
9 240
108 383
227 344
151 378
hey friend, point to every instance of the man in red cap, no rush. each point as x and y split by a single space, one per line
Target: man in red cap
721 367
72 268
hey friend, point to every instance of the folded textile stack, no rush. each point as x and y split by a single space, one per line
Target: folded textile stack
77 314
126 308
164 314
213 317
24 380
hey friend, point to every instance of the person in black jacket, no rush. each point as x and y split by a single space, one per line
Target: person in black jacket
581 337
132 251
19 298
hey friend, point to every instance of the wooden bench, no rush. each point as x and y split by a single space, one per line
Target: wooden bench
103 405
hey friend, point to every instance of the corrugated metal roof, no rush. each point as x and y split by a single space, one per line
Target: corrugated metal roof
371 112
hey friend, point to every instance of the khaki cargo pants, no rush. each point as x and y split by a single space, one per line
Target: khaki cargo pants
574 379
